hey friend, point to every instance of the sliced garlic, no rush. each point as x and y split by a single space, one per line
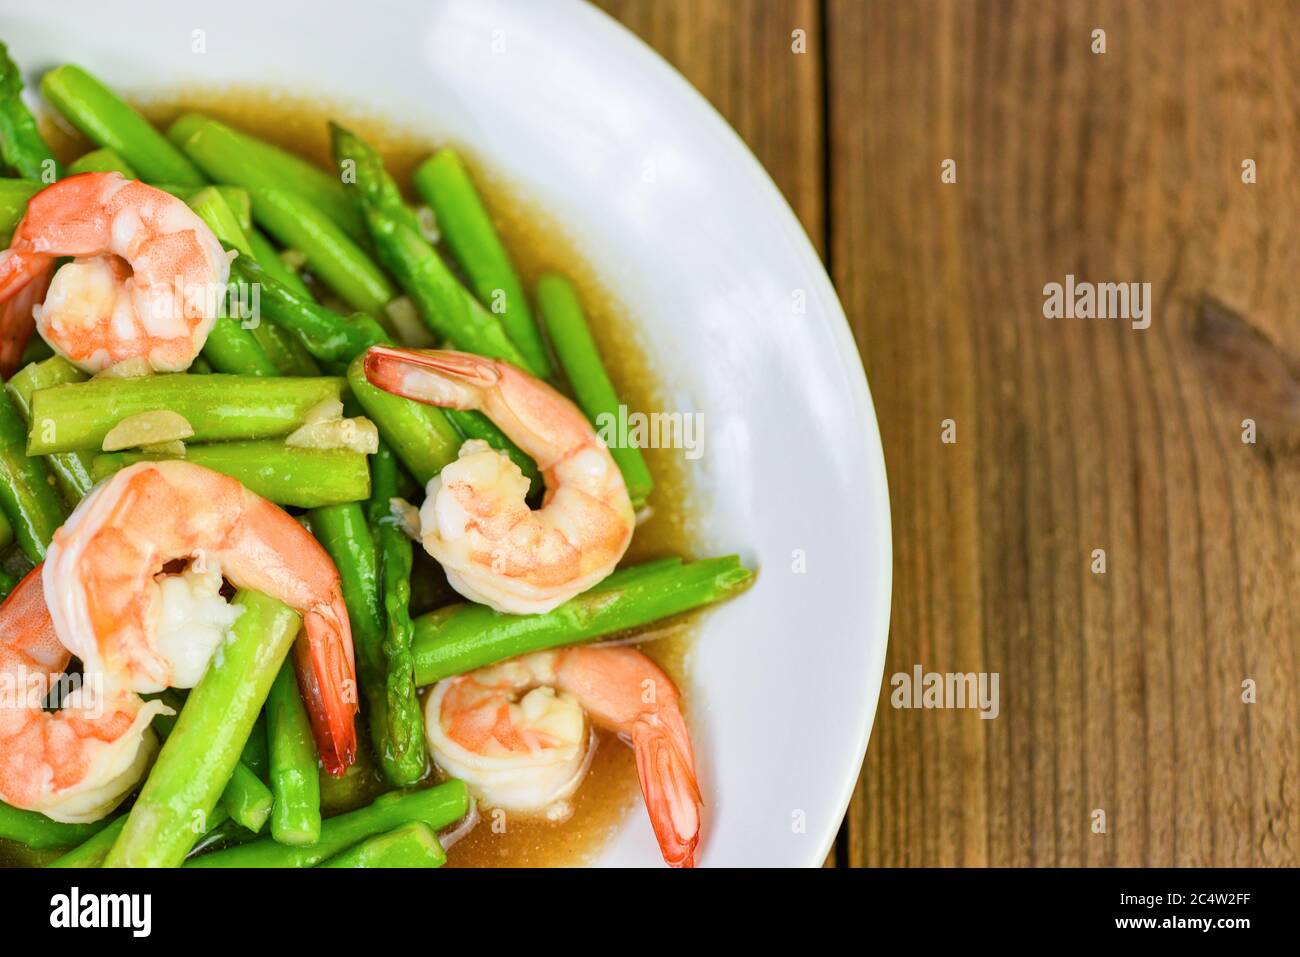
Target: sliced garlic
174 448
356 435
147 428
331 408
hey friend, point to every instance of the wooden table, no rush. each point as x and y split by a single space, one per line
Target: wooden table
1121 692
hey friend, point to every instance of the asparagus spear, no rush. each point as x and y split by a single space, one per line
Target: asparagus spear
102 160
404 732
38 832
580 359
411 845
437 807
295 819
330 253
306 478
14 197
463 637
218 407
72 470
91 852
197 759
245 798
107 120
468 232
27 494
231 156
447 307
21 145
329 336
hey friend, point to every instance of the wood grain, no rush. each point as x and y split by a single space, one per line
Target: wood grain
1120 692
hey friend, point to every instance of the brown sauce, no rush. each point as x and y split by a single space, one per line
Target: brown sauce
536 243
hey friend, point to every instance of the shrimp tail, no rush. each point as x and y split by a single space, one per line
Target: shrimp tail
24 280
324 664
452 380
666 767
25 623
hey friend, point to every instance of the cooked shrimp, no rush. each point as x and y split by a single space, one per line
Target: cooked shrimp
516 734
75 764
146 281
114 608
475 522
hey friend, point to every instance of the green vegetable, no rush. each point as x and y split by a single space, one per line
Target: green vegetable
580 359
6 539
463 637
245 798
218 407
437 807
330 253
72 470
231 156
283 474
92 852
107 120
446 306
15 194
102 160
329 336
411 845
468 232
38 832
27 493
295 819
21 145
198 758
403 740
256 756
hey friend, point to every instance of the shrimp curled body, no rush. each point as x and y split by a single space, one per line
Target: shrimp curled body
516 734
475 521
75 764
146 280
108 593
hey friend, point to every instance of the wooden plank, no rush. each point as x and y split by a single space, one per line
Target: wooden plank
1119 692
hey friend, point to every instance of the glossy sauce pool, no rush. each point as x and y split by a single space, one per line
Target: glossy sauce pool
536 244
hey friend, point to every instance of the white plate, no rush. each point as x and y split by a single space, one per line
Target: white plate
731 303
